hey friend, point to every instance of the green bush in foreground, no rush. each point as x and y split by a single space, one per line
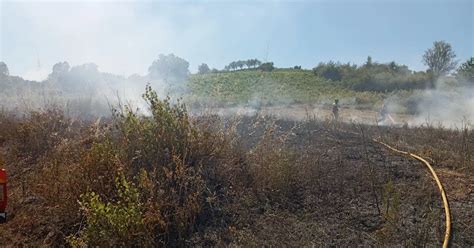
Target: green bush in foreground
168 158
118 222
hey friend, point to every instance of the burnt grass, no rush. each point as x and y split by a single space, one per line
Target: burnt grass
299 183
347 202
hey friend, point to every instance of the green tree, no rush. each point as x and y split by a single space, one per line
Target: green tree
59 70
465 72
203 68
4 69
232 65
368 63
268 66
331 71
250 63
169 68
439 59
240 64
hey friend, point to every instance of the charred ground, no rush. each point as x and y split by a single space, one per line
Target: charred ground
247 181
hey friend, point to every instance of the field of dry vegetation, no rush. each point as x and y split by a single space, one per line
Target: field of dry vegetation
169 179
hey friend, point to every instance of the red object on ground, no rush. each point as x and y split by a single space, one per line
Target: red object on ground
3 192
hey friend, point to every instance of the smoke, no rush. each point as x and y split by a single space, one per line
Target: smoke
123 37
448 105
36 75
82 90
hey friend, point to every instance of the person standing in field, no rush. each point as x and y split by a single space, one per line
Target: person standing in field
335 109
383 114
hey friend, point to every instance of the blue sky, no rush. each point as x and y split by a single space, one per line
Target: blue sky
124 37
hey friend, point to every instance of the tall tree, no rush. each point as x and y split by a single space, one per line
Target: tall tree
250 63
203 68
439 59
368 63
330 70
233 65
170 68
465 71
4 69
59 69
268 66
240 64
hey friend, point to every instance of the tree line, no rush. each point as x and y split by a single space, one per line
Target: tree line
372 76
238 65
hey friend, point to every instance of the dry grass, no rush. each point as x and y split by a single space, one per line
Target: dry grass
172 180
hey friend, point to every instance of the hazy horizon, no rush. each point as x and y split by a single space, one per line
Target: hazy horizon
125 37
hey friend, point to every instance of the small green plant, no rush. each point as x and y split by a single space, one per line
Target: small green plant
117 222
390 213
391 202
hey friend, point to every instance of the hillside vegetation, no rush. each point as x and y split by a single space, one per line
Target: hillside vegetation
278 86
85 90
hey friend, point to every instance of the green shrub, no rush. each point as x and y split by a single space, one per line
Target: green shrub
267 66
175 158
116 222
151 140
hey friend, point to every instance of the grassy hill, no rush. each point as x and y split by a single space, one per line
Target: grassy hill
243 87
276 87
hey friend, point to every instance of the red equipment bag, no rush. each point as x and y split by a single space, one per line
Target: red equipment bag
3 194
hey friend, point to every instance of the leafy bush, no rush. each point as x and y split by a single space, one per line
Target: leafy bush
170 157
372 76
331 71
268 66
118 222
173 156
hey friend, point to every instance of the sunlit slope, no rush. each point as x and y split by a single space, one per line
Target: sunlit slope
278 86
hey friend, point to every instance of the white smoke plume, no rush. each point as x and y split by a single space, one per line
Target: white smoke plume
447 105
36 74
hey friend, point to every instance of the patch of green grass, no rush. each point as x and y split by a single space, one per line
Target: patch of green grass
278 86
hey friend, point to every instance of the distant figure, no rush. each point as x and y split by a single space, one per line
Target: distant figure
383 113
335 109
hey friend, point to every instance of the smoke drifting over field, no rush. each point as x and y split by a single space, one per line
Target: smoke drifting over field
448 106
84 90
125 38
